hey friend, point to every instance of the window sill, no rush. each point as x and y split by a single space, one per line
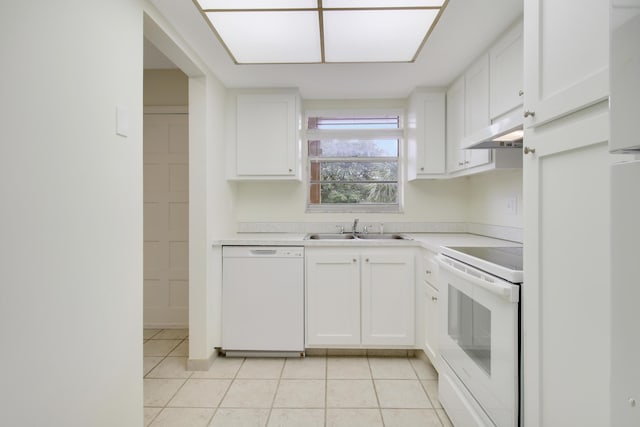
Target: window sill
354 209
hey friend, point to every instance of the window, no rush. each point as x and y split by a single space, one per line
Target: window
354 163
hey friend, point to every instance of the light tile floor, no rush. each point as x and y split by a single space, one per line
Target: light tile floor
331 391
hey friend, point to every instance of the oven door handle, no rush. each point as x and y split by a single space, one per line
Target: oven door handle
509 292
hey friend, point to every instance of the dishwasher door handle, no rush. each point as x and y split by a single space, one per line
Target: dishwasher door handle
263 251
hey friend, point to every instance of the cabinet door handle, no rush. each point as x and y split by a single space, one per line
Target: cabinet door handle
434 299
428 271
528 150
528 113
366 260
520 92
354 260
290 170
460 163
421 169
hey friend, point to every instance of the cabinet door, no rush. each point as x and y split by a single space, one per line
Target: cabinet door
505 81
476 108
388 298
565 57
266 135
333 297
426 134
431 328
476 96
565 302
455 125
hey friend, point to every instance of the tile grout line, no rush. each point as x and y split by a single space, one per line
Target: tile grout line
425 390
273 400
326 386
179 388
375 391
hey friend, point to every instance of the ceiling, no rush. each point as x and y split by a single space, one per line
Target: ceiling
466 28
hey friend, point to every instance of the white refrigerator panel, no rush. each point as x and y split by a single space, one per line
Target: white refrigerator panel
625 294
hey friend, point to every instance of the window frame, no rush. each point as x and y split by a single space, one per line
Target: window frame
363 134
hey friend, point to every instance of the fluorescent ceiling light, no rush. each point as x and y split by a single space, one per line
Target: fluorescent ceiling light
375 35
273 37
322 31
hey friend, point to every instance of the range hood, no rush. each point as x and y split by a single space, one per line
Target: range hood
502 133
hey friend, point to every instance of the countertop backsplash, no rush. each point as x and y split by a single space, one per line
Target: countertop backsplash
499 232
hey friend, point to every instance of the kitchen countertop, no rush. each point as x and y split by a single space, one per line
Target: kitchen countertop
430 241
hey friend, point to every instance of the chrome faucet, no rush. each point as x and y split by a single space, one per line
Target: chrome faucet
355 226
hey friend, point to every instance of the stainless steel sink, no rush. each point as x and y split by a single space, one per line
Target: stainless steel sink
350 236
376 236
327 236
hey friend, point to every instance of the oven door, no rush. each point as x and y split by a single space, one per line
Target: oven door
479 336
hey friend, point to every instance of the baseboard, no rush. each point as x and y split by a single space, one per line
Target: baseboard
166 326
201 364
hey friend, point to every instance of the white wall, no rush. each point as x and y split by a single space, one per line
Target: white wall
71 209
488 194
437 201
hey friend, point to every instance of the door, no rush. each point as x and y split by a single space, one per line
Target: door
566 294
333 297
166 220
388 298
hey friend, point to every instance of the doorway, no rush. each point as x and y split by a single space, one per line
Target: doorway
166 215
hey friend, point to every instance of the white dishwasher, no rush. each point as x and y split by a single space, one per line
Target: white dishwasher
262 300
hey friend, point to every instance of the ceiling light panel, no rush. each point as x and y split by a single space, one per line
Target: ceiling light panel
257 4
314 31
375 35
269 37
369 4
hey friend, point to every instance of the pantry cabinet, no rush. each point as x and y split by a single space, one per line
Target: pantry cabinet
263 135
360 297
566 57
566 150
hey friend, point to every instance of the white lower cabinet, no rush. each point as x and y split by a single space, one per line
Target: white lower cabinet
332 297
360 297
431 315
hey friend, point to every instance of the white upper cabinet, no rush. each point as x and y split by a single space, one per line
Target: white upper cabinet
455 125
476 106
565 57
426 134
264 135
505 76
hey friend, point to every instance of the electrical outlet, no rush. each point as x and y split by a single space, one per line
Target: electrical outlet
511 206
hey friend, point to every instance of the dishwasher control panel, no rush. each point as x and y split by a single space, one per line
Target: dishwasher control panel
263 251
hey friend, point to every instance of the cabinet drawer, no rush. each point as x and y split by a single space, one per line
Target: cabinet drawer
430 271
